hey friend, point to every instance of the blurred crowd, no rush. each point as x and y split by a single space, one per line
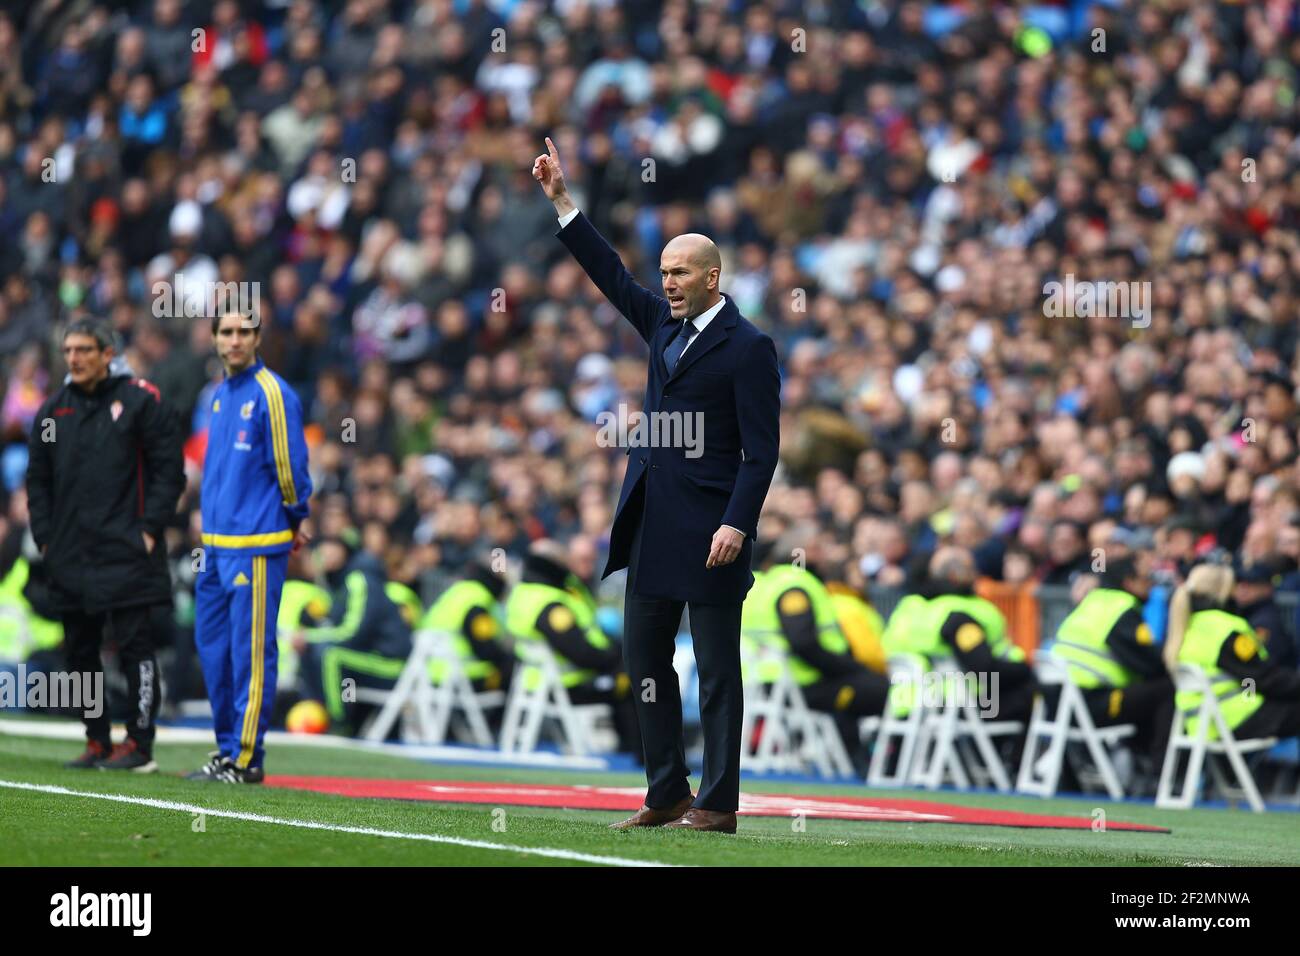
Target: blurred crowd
891 185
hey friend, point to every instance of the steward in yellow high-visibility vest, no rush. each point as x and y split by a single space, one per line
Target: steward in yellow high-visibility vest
1112 656
908 628
472 613
789 612
946 620
1257 697
972 631
551 606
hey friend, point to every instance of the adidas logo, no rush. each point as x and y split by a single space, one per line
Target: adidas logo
240 579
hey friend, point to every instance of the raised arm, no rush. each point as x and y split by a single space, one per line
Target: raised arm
645 310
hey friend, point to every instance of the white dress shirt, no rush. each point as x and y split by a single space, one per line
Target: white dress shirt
702 322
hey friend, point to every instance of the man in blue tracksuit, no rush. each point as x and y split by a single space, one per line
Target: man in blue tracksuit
254 505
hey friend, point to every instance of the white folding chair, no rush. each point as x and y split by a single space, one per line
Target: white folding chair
527 707
894 734
19 619
427 706
793 737
1040 772
1183 793
759 710
956 743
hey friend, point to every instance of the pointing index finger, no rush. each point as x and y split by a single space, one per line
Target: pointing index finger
550 148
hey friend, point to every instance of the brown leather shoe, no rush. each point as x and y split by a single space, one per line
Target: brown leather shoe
650 817
715 821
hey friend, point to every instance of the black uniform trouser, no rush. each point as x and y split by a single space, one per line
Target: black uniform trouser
1010 702
1148 705
1274 718
649 641
849 697
1014 701
132 632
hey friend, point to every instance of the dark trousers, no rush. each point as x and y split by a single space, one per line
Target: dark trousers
1274 718
1014 701
650 631
1148 705
849 697
132 632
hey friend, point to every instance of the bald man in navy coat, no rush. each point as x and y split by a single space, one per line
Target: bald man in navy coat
688 514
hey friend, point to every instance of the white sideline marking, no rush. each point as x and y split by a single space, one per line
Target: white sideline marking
73 730
334 828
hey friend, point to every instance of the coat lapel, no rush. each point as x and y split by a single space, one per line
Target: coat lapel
714 335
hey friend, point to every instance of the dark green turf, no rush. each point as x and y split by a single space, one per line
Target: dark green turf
50 829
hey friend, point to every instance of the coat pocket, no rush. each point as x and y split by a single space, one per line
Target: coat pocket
712 484
135 543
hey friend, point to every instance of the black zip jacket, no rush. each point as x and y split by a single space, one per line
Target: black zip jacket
103 467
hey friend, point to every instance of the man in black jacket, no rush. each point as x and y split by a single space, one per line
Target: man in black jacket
104 474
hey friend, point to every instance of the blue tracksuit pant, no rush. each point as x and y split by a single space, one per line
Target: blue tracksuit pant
237 598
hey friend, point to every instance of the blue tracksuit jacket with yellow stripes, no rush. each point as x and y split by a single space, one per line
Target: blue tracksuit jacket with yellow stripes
255 479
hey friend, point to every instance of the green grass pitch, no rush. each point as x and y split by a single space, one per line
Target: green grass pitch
55 829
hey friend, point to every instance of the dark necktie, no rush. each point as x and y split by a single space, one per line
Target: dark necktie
673 353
